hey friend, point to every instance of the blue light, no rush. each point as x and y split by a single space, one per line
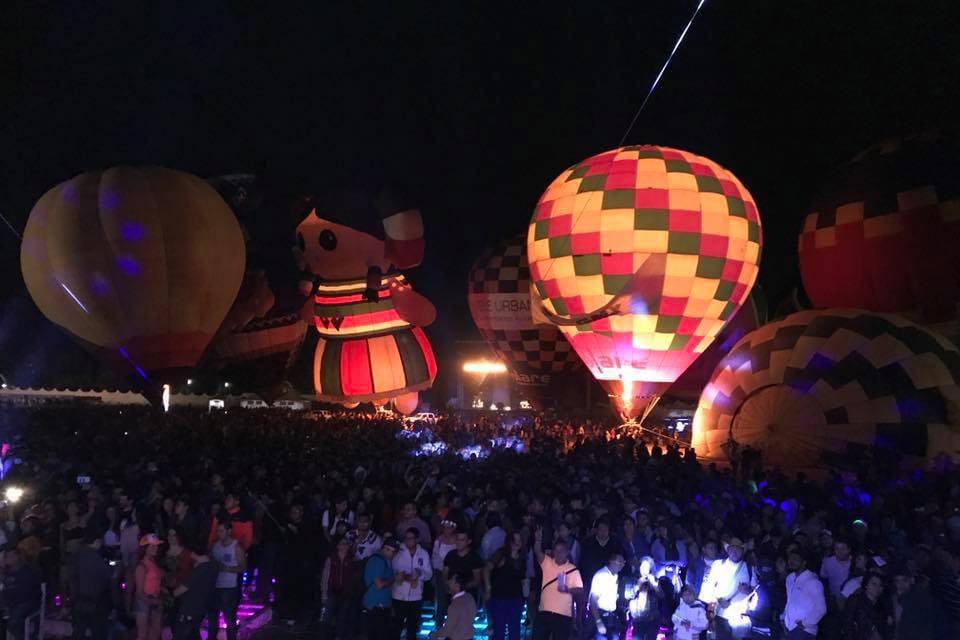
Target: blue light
136 367
128 265
131 231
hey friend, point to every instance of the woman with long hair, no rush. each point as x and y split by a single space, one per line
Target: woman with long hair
504 575
148 583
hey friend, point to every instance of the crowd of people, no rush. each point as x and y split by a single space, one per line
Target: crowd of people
140 520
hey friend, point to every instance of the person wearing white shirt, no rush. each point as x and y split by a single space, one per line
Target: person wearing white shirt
835 569
690 618
805 601
412 568
605 597
365 541
728 586
444 544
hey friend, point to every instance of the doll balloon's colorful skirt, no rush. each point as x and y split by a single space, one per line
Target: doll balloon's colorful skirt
373 368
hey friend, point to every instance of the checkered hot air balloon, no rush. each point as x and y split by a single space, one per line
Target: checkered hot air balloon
820 387
883 231
641 255
498 292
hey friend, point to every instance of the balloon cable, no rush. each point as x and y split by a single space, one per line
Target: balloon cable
643 104
11 227
656 80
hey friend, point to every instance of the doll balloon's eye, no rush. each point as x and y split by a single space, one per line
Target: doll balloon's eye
301 243
327 240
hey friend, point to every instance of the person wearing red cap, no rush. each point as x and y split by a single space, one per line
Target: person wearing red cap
148 578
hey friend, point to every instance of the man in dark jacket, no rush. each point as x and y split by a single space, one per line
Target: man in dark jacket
91 579
195 594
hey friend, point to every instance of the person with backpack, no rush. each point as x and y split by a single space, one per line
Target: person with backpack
730 581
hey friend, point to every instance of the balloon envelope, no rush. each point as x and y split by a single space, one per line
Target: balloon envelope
824 386
883 230
498 293
143 262
641 255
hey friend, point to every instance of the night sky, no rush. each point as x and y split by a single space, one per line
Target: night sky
474 107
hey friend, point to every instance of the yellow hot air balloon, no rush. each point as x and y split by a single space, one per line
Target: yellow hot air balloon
641 255
142 263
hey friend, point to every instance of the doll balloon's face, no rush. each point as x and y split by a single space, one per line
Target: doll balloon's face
336 252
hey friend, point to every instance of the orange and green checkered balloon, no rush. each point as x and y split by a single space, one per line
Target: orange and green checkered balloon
641 255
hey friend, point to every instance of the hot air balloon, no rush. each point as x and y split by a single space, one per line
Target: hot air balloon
257 341
751 315
372 346
883 231
641 255
819 387
498 293
142 263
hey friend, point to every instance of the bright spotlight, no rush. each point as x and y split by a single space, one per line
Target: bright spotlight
13 494
484 367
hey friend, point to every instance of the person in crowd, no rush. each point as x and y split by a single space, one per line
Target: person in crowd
231 559
463 559
731 581
605 599
195 593
494 537
458 623
148 585
91 586
667 547
698 569
378 579
916 613
504 577
644 600
187 519
865 616
21 591
806 604
177 561
690 617
633 544
412 569
598 549
565 533
297 566
334 516
560 585
336 595
241 526
408 519
71 537
835 569
364 540
445 542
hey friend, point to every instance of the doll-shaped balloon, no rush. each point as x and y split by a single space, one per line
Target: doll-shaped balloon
372 347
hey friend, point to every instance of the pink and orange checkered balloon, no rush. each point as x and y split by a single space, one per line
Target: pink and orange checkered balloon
641 255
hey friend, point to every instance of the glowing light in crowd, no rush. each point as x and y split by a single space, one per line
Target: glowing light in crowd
13 494
484 367
166 397
524 404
